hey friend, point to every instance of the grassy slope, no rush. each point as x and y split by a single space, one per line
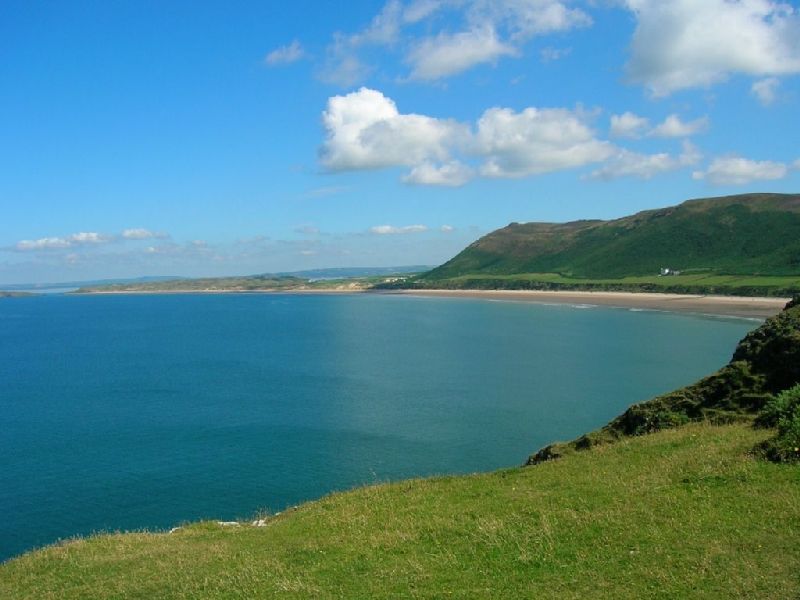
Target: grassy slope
742 236
681 513
700 283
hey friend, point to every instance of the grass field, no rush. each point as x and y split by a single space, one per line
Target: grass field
684 513
696 283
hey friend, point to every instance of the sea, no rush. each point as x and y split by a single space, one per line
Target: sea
142 412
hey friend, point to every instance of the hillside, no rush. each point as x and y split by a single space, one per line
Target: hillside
689 511
745 241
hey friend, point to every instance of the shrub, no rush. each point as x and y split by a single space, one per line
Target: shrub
783 412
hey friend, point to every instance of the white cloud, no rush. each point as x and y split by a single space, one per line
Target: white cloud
486 30
285 54
54 243
447 229
448 54
766 90
141 234
88 237
689 43
85 238
342 64
496 28
536 141
365 130
735 170
525 19
307 230
43 244
392 230
384 28
796 164
646 166
628 125
673 127
453 174
421 9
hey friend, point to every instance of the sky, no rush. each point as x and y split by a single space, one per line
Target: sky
229 138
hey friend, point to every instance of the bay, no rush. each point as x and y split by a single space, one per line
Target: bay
135 412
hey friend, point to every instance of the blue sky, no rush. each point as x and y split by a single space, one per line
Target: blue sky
145 138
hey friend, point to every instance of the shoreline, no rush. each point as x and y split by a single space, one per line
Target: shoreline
728 306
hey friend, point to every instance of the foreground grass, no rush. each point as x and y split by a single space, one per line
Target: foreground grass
682 513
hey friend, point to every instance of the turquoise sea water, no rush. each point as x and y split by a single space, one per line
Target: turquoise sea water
131 412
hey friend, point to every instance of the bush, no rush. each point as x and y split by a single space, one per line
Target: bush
783 413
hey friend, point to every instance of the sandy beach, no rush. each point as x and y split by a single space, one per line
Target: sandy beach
734 306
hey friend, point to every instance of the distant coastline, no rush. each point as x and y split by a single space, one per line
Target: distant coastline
732 306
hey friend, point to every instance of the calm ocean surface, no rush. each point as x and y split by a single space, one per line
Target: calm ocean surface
131 412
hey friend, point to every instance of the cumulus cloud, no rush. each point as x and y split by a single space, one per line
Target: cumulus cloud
285 54
735 170
673 127
536 141
392 230
448 54
646 166
685 43
365 130
766 90
628 125
452 174
447 229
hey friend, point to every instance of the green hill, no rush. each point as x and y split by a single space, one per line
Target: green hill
690 511
750 240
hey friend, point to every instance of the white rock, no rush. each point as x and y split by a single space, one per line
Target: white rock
228 523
